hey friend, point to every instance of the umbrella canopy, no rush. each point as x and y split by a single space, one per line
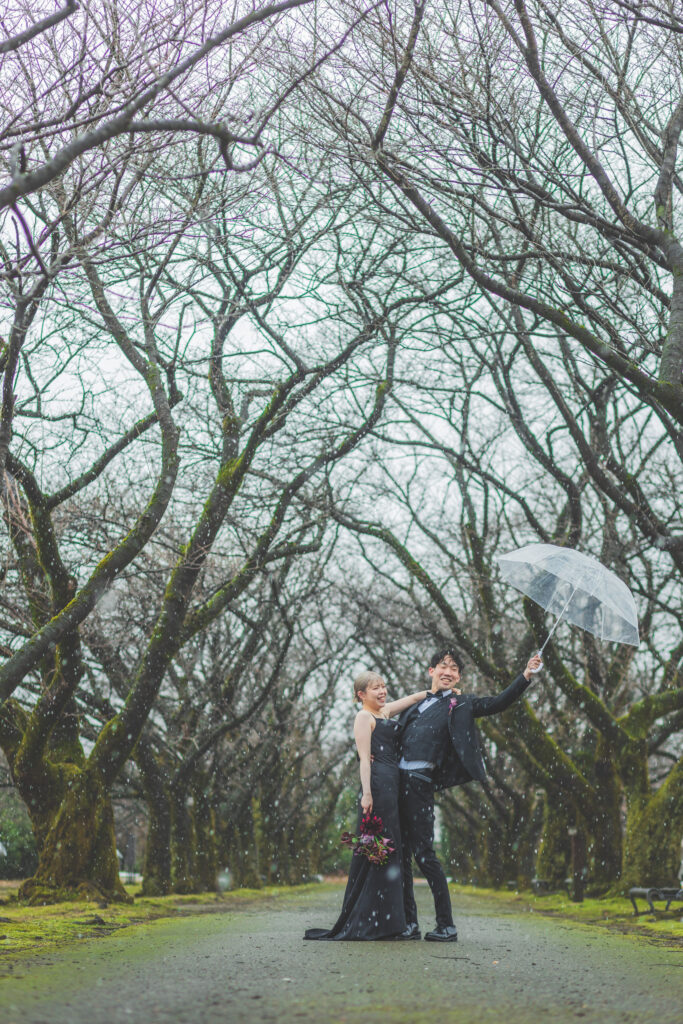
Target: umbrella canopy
576 587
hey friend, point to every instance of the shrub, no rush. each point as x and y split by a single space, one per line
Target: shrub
21 856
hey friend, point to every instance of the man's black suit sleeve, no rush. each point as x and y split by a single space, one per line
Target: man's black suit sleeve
482 706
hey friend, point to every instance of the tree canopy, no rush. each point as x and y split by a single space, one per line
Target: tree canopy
312 311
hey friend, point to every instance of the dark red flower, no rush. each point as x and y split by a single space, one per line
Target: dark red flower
371 825
369 843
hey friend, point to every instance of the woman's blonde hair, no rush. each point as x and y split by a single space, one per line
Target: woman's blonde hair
361 683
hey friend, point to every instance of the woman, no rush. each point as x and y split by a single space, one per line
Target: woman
373 901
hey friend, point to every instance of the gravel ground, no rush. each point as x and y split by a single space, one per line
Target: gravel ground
253 964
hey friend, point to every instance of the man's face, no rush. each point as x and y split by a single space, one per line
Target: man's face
445 676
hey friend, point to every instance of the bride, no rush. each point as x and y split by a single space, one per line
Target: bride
373 901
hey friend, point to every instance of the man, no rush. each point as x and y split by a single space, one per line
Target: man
440 747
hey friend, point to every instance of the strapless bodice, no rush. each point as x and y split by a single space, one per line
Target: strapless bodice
385 741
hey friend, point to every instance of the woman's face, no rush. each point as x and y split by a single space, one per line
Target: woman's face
376 694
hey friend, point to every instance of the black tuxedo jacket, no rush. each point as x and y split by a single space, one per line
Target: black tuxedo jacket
463 761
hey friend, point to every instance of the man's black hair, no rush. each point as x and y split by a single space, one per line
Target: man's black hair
446 652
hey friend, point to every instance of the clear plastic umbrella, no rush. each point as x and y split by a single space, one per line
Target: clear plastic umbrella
575 587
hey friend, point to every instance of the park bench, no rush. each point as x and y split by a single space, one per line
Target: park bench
661 894
541 886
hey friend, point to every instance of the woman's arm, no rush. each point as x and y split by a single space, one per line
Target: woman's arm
395 707
362 730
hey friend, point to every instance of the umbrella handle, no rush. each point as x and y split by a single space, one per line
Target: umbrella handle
540 654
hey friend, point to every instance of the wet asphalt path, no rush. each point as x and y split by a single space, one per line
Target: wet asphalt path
252 964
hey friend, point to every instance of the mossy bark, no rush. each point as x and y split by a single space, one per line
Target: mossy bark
461 854
237 848
156 880
492 854
157 868
156 873
492 843
206 857
183 843
654 829
293 859
554 851
70 810
605 832
78 856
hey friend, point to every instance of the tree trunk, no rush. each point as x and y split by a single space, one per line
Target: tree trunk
78 856
294 858
157 870
492 843
237 847
654 828
156 879
461 841
507 849
206 860
70 810
260 840
554 854
605 841
183 842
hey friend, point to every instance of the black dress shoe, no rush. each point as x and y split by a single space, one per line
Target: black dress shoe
443 933
412 932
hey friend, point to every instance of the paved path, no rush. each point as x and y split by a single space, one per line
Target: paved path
252 964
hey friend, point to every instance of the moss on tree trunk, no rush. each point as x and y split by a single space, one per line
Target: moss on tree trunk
70 810
554 852
237 848
156 879
604 828
206 859
605 846
654 829
78 855
183 842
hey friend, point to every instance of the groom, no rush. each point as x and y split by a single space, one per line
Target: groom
440 748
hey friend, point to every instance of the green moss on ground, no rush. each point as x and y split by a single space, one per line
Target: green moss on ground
615 913
26 929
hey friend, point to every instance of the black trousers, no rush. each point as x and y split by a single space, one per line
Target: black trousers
416 805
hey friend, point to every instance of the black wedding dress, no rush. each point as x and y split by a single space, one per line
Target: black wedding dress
373 901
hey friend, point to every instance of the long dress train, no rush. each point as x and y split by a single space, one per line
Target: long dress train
373 900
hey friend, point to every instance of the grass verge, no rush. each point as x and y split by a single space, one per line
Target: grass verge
34 930
26 931
615 913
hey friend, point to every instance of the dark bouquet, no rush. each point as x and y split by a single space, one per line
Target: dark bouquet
369 842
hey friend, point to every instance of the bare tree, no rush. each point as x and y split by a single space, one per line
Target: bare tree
116 75
535 146
273 414
542 154
597 728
